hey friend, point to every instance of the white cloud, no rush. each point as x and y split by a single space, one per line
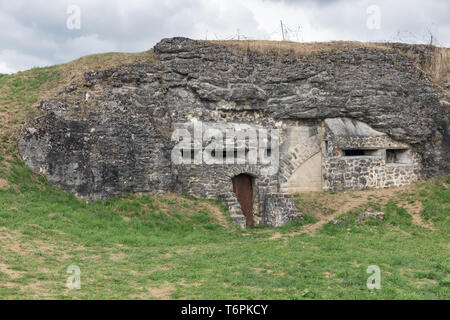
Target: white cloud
35 30
4 68
84 45
20 61
407 20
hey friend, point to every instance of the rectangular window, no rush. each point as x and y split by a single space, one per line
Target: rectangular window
185 152
226 154
359 152
398 156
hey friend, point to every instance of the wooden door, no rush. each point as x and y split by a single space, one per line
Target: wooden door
242 187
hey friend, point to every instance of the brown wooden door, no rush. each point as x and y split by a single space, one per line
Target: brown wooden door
242 187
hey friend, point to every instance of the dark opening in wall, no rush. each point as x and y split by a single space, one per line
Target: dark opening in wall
236 154
359 152
231 154
184 153
398 156
243 188
227 154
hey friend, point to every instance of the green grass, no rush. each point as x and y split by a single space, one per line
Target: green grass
24 88
158 247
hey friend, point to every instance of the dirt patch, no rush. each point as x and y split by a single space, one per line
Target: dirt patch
173 203
275 236
9 285
159 268
13 274
51 249
125 218
326 206
425 282
35 290
12 240
160 293
217 213
356 264
414 210
329 275
333 206
189 284
9 240
3 183
117 256
40 289
269 271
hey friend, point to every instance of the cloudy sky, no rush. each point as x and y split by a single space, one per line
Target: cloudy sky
41 32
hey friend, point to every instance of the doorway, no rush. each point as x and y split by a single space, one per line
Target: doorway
243 188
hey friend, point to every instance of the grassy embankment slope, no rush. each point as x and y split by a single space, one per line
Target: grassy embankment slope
168 246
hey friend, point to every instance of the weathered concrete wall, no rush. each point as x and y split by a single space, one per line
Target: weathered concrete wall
307 177
302 170
112 133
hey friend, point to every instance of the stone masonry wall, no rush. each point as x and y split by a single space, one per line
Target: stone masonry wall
368 171
280 208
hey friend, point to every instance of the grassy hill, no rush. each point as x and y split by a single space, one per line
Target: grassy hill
172 246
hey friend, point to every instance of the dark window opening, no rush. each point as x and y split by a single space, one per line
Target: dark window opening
226 153
234 153
359 152
353 153
213 154
192 153
398 156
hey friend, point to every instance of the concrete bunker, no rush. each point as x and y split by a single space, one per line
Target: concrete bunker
335 133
